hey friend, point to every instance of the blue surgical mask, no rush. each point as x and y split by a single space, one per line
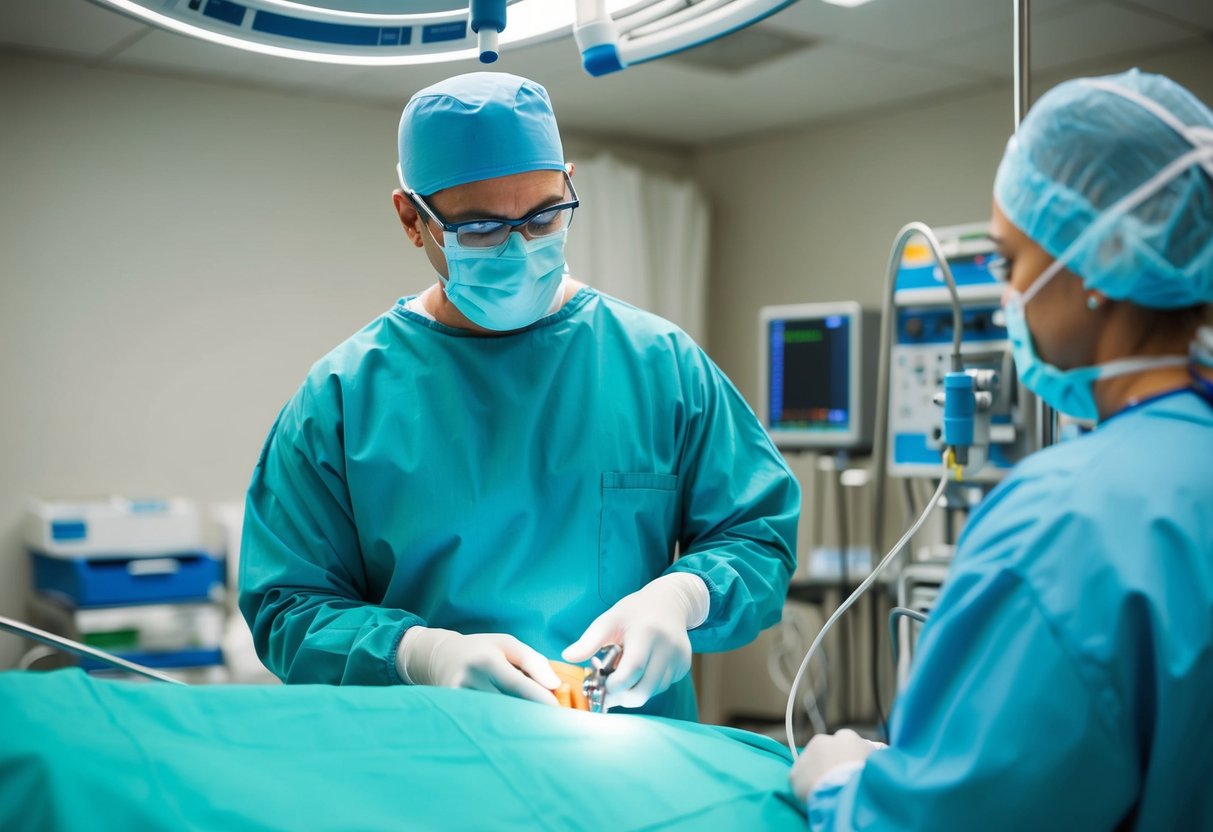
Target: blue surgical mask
506 287
1067 391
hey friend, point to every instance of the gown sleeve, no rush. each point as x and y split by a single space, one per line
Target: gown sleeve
302 579
741 506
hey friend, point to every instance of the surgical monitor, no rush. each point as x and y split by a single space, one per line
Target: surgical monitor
817 370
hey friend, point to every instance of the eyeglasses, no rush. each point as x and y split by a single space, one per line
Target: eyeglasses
544 222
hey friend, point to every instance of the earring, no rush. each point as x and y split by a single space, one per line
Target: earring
1092 302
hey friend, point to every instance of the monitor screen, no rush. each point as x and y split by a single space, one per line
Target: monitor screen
817 368
810 374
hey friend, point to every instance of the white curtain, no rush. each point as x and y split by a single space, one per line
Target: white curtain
642 238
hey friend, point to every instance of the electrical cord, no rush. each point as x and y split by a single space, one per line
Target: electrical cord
845 605
781 674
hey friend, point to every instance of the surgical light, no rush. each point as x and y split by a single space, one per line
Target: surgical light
611 34
850 4
360 32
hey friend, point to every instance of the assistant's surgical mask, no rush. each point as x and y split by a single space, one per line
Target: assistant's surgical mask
506 287
1068 391
1071 391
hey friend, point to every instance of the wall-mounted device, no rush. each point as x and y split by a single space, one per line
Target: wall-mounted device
921 352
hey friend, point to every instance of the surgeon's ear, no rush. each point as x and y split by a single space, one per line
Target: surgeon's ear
569 168
409 217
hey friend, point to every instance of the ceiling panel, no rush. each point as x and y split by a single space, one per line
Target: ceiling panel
673 102
1196 12
73 27
902 25
1069 36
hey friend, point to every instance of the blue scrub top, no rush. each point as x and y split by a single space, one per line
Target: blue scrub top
1065 679
519 484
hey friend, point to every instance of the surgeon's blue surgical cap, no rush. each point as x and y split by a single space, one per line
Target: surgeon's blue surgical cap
477 126
1080 150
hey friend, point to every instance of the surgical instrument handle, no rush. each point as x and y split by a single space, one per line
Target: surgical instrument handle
607 659
602 665
18 628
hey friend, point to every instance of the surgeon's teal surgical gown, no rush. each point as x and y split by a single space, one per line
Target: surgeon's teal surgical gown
519 484
1065 679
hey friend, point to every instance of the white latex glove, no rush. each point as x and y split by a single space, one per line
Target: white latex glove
651 626
829 755
486 661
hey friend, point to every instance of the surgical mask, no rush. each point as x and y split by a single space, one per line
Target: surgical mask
506 287
1067 391
1071 391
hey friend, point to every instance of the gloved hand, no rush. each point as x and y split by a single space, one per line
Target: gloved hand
827 754
651 626
486 661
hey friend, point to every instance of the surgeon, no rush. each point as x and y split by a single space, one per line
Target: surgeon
510 467
1065 678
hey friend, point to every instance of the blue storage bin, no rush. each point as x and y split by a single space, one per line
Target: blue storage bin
93 582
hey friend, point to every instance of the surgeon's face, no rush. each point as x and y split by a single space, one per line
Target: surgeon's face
503 197
1064 329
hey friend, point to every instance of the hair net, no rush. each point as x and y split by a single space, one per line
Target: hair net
1084 147
476 126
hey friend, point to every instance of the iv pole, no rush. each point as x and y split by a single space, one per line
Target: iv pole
1046 418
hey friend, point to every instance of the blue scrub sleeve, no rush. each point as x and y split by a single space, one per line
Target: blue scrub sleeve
302 580
741 506
998 729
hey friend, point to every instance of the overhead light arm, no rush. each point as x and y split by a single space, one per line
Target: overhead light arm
607 47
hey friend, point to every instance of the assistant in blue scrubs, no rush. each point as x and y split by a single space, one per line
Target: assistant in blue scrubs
1063 680
512 454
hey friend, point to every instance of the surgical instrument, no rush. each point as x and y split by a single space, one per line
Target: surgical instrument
61 643
602 664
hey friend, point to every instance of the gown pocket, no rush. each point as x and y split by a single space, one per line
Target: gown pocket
637 530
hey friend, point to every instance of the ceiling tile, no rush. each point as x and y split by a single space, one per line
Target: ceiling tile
673 102
74 27
1066 37
1196 12
901 26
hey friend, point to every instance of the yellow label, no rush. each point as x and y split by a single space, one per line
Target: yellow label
916 254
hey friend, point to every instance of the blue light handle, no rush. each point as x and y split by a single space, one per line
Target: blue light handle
959 413
487 20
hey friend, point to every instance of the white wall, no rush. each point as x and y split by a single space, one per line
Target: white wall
173 257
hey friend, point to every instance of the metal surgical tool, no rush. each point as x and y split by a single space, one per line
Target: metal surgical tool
602 665
61 643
